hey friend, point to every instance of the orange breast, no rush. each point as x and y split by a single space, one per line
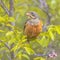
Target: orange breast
32 30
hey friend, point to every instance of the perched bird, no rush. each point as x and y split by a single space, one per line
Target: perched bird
33 25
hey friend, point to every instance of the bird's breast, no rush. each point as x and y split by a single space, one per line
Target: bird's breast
33 22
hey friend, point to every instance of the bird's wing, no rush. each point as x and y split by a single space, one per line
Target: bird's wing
25 24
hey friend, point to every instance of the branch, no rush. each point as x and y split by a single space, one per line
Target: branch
40 5
11 12
43 4
45 8
4 7
5 44
11 2
50 54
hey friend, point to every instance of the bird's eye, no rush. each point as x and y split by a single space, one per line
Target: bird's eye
32 14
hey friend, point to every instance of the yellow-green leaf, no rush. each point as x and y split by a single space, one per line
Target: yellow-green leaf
51 34
39 58
57 29
29 50
26 56
43 42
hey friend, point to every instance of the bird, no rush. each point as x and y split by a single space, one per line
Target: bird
33 25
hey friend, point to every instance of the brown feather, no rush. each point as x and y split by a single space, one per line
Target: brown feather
32 30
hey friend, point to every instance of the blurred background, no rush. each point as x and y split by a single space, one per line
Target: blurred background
13 44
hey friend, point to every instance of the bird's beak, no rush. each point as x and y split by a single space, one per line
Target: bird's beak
28 14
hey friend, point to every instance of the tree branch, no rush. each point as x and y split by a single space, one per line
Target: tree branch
11 2
11 13
40 5
5 44
48 54
45 8
4 7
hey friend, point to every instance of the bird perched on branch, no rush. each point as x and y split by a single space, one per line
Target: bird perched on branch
33 25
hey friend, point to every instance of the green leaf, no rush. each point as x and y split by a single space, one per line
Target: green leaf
1 31
12 40
39 58
14 48
29 50
2 19
57 29
9 33
43 42
50 33
11 19
20 56
26 56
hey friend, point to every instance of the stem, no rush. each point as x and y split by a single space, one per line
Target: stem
4 7
11 2
5 44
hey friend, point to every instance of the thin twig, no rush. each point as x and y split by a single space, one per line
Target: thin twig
5 44
4 7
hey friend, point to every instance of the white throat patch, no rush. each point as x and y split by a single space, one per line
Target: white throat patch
33 21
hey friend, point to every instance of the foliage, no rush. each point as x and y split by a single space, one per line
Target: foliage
22 49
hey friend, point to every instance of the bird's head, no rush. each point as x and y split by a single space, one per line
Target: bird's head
31 15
